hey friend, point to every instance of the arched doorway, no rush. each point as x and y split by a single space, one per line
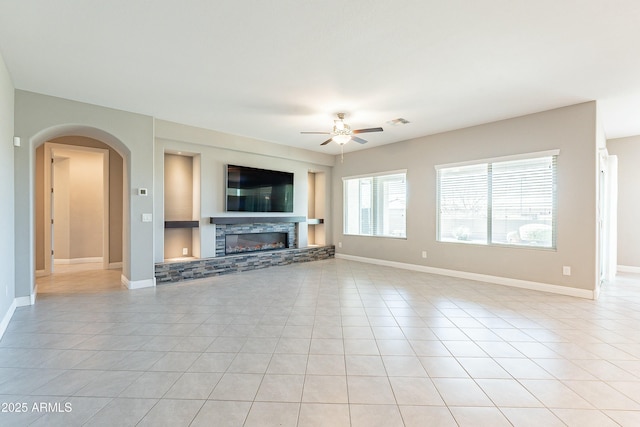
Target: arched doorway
89 198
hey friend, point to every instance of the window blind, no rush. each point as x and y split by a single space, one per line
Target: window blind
463 203
499 202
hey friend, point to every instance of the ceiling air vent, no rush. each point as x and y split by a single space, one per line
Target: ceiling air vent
398 121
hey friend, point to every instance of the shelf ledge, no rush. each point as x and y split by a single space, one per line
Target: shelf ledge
254 219
181 224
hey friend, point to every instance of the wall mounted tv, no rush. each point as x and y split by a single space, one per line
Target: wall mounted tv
258 190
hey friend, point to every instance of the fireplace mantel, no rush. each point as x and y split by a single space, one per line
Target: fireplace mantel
255 219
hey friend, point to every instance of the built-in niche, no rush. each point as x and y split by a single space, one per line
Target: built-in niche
316 234
181 206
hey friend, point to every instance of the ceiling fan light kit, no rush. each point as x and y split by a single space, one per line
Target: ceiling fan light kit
342 133
341 139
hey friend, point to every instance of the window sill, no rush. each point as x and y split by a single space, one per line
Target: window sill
498 245
382 237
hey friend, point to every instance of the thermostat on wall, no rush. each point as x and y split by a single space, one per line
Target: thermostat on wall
142 192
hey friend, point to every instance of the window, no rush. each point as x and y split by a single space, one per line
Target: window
376 205
507 201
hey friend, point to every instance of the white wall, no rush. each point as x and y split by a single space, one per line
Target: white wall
87 205
628 152
61 207
217 149
7 257
570 129
78 204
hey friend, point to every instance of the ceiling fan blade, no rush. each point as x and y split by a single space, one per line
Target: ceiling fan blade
368 130
317 133
327 141
358 140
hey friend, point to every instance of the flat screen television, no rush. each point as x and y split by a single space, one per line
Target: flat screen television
258 190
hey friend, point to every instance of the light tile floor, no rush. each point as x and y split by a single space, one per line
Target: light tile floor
329 343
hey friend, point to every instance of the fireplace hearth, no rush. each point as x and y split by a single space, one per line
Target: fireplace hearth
255 242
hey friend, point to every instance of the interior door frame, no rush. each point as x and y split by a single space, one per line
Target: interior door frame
607 217
49 148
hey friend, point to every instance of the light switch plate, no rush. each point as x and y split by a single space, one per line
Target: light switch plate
147 217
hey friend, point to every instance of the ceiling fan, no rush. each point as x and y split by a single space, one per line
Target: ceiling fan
342 132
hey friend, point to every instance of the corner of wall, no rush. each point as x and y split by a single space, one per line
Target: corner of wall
7 196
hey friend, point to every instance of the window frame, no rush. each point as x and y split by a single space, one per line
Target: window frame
489 214
376 203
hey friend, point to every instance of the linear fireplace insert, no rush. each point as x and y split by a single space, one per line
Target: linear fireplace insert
253 242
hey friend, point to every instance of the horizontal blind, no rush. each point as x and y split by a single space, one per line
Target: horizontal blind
390 214
523 201
501 202
462 203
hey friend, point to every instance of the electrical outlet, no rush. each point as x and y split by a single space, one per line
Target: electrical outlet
147 217
424 254
339 244
566 270
185 251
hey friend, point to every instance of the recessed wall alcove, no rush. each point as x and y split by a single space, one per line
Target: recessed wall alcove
181 206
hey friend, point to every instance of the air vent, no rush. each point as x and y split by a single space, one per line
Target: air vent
398 121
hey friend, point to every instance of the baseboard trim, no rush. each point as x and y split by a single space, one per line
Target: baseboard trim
497 280
89 260
628 269
137 284
7 318
40 273
26 301
115 265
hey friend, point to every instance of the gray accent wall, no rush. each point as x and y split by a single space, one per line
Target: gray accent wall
215 150
7 257
40 118
572 130
628 152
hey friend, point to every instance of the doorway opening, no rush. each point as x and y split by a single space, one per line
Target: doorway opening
607 218
78 206
79 215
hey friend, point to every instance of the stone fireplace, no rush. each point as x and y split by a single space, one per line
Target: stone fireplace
237 235
250 228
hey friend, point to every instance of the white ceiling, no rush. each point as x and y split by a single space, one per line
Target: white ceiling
270 69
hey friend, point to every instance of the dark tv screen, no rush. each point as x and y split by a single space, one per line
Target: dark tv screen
258 190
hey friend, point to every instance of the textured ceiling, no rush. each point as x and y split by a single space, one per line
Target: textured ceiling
270 69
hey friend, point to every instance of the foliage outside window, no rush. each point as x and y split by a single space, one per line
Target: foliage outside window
508 201
376 205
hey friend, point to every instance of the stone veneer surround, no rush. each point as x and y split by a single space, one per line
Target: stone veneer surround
177 271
